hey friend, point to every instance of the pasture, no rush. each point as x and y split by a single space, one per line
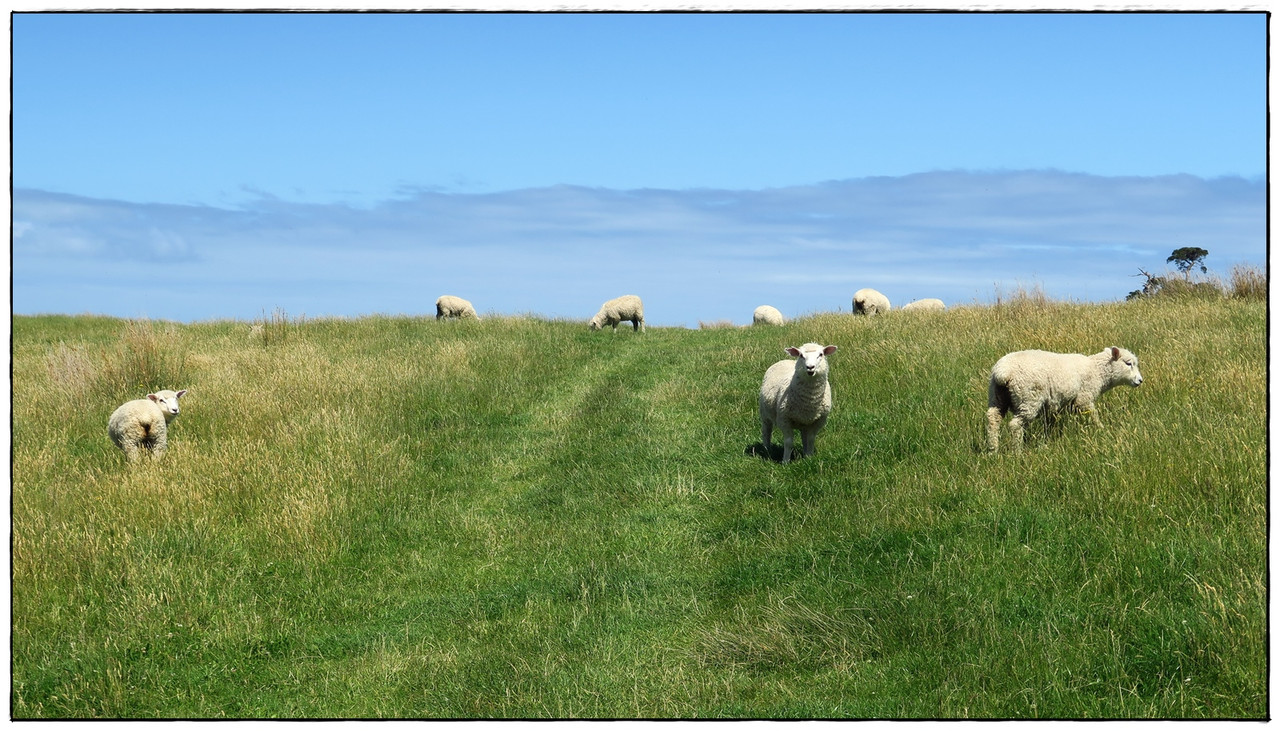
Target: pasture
393 517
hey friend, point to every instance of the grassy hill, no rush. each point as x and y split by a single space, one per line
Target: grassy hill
394 517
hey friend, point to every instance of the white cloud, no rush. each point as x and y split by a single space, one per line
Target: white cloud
693 254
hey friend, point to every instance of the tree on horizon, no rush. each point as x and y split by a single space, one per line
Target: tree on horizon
1188 258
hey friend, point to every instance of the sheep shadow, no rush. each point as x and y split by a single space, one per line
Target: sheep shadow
771 452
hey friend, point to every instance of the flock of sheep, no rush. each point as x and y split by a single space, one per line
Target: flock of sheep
1027 383
795 393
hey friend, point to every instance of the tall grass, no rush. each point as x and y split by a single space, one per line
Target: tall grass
514 518
1022 297
275 328
146 356
1248 282
714 324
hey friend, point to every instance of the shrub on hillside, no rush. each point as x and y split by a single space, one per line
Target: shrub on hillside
1172 287
1244 282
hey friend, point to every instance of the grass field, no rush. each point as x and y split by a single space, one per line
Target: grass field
394 517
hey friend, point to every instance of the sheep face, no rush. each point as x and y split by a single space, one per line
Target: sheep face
1124 367
811 358
595 324
167 401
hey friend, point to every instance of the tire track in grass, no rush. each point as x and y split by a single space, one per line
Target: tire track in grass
574 544
557 442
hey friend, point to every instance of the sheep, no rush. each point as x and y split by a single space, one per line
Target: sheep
796 395
925 304
870 302
449 306
1032 382
144 424
619 309
766 315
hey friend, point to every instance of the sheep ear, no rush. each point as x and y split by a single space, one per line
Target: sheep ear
179 394
829 350
1115 353
153 397
793 352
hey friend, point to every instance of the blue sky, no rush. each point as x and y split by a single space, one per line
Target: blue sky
352 164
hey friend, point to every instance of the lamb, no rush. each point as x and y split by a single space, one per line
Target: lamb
766 315
925 304
869 302
620 309
450 306
796 395
1032 382
144 424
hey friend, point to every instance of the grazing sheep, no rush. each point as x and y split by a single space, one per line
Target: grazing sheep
620 309
450 306
143 424
925 304
796 395
870 302
1032 382
766 315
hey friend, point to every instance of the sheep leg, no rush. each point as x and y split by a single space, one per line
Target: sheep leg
1024 409
807 439
1088 408
1015 431
788 440
130 450
159 445
766 432
994 417
999 401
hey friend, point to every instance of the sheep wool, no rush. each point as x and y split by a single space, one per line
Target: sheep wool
1030 383
766 315
143 424
628 307
796 394
925 304
869 302
449 306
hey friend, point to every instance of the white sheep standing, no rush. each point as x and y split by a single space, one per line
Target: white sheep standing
929 303
144 424
796 395
449 306
620 309
767 315
1034 382
868 301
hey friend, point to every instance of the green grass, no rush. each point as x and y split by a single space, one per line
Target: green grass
395 517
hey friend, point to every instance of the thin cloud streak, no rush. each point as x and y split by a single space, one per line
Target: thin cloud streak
701 254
